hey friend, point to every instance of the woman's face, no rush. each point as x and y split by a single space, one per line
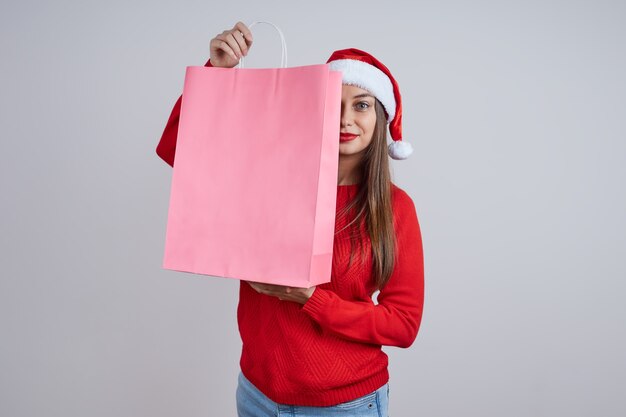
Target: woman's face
358 117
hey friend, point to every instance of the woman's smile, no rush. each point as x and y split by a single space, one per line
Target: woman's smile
345 137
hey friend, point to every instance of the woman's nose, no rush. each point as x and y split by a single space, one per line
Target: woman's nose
346 120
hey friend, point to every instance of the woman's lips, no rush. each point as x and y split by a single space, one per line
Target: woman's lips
345 137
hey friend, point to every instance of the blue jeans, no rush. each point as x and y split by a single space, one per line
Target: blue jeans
253 403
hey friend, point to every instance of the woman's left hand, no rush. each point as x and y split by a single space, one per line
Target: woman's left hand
299 295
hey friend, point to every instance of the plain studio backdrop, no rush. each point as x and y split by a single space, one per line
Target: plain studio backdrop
516 112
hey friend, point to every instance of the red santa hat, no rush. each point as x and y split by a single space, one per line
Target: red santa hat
363 70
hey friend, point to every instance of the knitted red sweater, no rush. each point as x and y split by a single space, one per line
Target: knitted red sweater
328 350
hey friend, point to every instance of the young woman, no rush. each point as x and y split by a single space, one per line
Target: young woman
317 351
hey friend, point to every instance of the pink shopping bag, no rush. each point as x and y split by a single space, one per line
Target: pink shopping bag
253 193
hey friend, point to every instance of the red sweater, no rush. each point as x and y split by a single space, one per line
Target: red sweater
328 350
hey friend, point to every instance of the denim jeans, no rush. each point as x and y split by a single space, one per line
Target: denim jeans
253 403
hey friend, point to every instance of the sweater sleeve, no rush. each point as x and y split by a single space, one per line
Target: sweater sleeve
395 320
166 149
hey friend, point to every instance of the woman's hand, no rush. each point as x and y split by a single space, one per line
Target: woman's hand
230 45
299 295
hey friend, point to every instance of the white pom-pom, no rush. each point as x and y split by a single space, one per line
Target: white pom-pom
399 149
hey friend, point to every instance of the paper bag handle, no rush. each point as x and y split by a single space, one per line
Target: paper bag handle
283 60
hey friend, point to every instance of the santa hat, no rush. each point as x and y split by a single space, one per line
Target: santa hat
363 70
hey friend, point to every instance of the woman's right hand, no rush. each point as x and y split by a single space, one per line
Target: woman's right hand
229 46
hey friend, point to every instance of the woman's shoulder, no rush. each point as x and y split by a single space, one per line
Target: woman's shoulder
401 200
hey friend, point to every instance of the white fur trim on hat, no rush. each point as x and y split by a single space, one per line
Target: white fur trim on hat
399 149
370 78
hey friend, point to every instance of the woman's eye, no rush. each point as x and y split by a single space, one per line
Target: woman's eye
363 102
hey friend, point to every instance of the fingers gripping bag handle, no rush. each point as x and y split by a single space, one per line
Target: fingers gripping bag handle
283 60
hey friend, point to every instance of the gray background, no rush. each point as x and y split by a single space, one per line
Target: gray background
516 111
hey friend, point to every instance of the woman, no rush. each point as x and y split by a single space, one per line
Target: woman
317 351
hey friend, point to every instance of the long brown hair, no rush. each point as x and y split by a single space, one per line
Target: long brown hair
372 204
